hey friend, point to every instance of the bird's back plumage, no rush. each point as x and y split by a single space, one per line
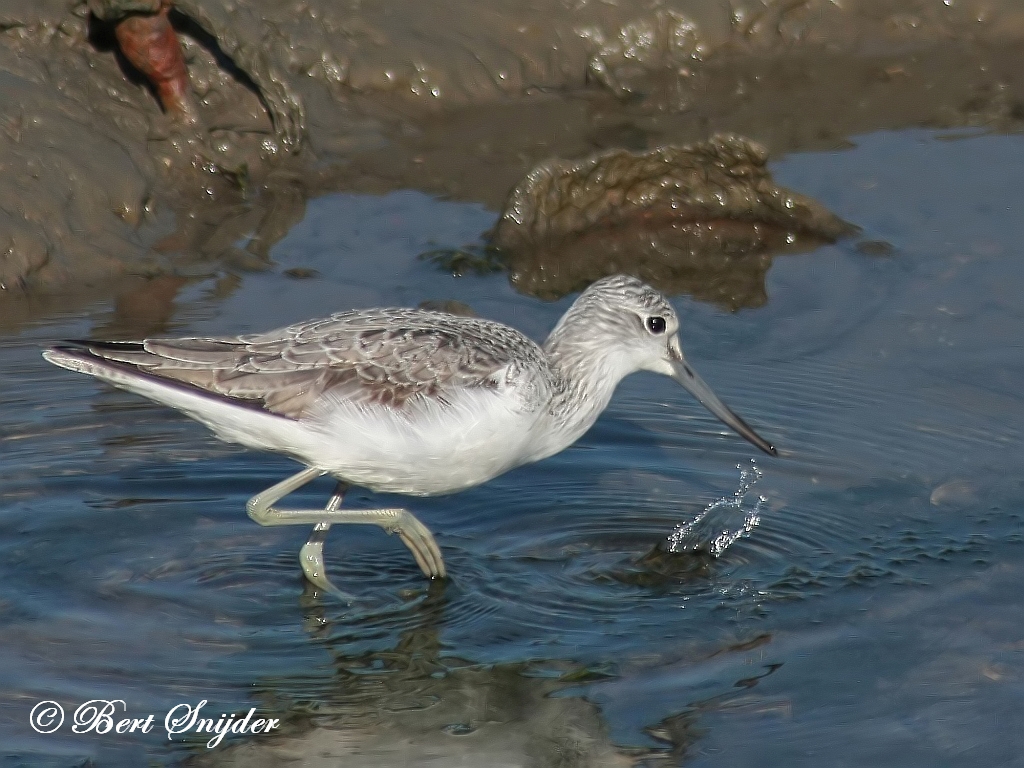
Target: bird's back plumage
391 399
373 357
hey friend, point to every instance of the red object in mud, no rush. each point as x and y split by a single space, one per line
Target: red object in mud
150 43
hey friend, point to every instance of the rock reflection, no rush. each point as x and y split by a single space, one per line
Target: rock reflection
703 219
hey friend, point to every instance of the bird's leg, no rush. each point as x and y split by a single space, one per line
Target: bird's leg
311 556
411 531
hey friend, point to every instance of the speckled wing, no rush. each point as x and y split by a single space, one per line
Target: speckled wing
382 357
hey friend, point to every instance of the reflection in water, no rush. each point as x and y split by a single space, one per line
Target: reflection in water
701 219
411 704
416 703
680 731
710 530
143 305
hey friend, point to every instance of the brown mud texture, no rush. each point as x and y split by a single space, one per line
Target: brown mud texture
699 219
102 193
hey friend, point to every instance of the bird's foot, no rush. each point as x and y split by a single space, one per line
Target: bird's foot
418 539
311 558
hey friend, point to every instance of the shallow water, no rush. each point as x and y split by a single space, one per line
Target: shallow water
871 617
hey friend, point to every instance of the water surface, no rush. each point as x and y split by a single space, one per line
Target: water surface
871 617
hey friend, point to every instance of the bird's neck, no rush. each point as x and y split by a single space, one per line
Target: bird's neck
586 373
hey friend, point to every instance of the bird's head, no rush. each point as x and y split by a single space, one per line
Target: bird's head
634 325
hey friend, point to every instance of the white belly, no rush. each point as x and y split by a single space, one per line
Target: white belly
423 450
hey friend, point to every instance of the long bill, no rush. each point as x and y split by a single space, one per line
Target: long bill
686 376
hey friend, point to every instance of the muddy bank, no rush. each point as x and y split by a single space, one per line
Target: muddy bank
796 100
459 100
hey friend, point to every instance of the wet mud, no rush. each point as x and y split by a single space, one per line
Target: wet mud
101 189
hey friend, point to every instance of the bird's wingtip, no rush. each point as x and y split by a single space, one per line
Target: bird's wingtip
67 356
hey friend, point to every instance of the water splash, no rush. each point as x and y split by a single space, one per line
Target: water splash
704 532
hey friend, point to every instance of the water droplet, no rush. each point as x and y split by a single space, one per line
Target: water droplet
707 532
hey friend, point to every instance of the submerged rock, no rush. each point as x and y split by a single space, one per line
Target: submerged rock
702 219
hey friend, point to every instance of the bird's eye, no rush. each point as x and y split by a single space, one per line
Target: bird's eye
656 324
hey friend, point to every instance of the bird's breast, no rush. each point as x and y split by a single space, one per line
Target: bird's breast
428 447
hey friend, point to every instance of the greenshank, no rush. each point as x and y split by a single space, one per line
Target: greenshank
406 401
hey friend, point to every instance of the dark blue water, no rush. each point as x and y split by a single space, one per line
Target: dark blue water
873 616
